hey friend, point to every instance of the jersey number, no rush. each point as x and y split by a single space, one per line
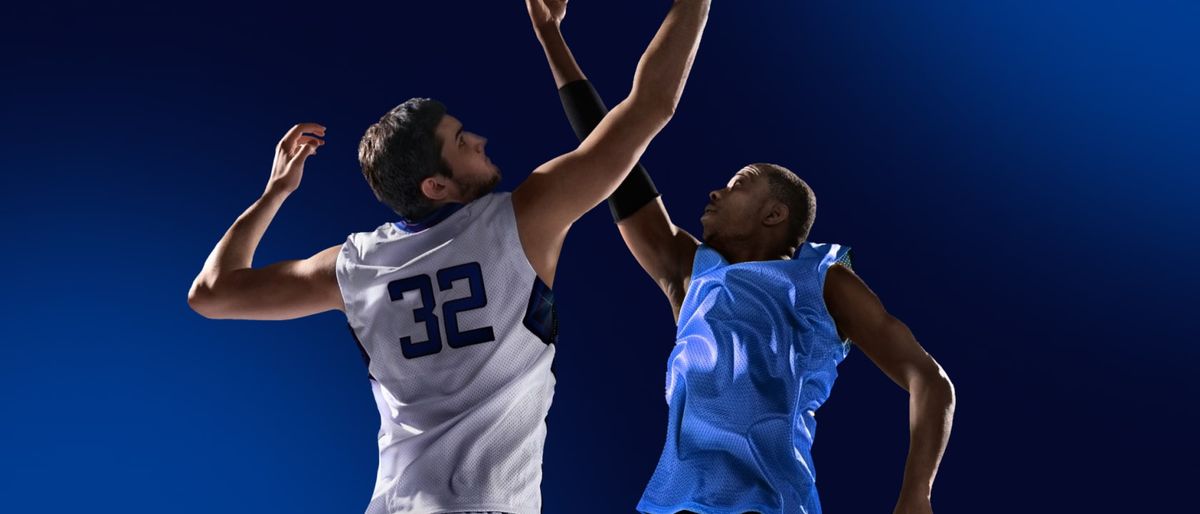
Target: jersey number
473 274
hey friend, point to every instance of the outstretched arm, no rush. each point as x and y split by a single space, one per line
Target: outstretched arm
562 190
664 250
228 287
547 17
860 317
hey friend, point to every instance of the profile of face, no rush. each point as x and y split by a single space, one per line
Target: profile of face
472 172
742 210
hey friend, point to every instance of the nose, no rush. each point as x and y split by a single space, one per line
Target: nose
480 142
714 196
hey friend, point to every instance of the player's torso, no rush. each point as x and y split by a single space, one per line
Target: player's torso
756 353
759 327
458 332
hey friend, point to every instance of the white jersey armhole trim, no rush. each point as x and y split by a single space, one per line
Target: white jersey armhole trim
342 272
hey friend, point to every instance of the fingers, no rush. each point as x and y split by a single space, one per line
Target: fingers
296 131
310 140
303 152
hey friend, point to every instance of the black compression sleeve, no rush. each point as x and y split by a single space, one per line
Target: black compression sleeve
584 110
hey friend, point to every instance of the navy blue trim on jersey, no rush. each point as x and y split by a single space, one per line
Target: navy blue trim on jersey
362 351
541 317
847 260
435 217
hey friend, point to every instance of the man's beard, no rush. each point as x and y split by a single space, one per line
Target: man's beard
473 190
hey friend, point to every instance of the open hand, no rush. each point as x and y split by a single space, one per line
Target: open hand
299 143
546 12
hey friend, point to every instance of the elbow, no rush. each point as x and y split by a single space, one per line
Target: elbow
202 300
659 107
933 386
940 383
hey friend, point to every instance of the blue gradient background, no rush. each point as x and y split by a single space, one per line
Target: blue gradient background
1017 178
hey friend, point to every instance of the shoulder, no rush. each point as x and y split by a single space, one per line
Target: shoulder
848 297
705 259
495 204
358 244
826 254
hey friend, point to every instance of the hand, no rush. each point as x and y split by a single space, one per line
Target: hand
290 154
546 12
913 506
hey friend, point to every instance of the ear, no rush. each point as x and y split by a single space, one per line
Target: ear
776 212
436 188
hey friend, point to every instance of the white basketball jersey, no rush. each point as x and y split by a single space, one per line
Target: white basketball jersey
458 331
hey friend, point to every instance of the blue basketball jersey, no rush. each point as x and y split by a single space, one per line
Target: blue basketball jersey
756 354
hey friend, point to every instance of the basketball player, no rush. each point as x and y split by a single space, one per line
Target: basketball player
452 305
763 320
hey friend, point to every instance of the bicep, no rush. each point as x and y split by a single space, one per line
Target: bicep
283 290
861 317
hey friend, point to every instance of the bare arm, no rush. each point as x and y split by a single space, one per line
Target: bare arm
562 190
228 287
547 17
663 249
891 346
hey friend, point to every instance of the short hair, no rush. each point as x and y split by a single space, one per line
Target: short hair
788 188
400 151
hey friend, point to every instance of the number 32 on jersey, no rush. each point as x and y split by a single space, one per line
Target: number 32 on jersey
427 315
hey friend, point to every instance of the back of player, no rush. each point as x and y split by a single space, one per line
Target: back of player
458 330
756 355
453 311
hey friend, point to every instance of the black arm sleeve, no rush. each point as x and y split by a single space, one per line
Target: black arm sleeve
584 110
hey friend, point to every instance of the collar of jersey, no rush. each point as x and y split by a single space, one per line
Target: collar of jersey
435 217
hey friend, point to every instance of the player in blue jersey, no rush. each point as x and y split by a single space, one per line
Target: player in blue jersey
763 320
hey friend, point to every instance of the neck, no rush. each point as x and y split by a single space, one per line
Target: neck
747 250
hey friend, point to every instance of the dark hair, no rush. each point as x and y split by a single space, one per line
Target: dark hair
400 151
788 188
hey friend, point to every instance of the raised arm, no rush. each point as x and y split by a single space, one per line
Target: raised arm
547 17
891 346
228 287
664 250
562 190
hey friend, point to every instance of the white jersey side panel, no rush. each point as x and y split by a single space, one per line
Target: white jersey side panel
461 376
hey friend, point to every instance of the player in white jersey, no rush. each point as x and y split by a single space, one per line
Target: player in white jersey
452 304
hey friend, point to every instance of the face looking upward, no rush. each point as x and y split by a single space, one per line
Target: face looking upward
472 172
740 210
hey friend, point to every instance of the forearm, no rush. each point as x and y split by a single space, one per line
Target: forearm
664 67
931 415
558 54
236 248
585 110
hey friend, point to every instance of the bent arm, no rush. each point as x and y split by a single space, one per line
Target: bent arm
283 290
562 190
888 342
228 287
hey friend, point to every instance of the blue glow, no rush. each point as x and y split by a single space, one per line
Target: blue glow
1018 180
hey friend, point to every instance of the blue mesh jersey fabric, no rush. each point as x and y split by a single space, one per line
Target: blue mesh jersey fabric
756 354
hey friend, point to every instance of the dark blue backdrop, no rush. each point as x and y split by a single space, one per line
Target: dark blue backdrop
1017 179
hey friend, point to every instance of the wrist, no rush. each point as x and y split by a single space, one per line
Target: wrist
543 28
275 192
915 493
